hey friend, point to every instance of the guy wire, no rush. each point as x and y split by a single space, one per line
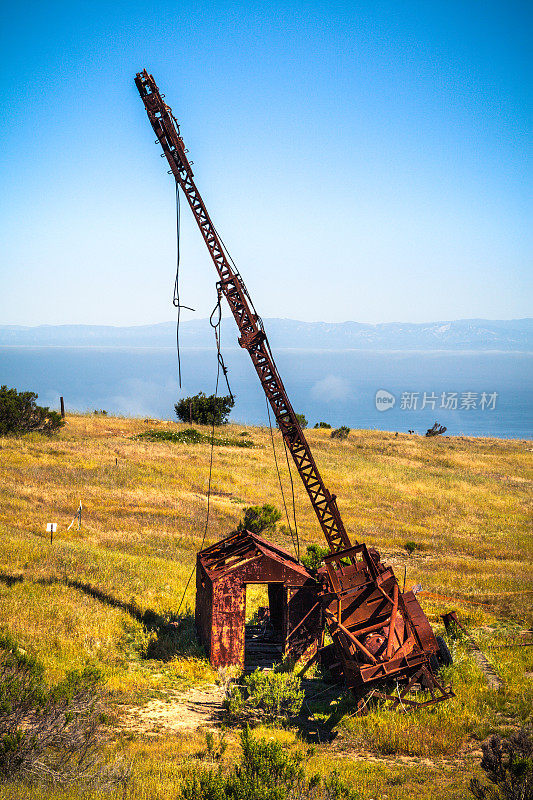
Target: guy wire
176 296
294 544
293 501
219 361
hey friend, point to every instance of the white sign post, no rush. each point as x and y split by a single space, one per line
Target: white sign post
51 528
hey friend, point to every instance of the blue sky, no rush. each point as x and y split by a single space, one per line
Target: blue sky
364 161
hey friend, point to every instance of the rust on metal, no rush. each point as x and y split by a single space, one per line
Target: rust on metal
223 572
380 635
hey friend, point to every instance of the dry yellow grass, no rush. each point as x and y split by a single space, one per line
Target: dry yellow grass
465 502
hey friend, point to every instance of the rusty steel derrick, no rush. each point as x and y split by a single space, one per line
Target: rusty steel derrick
380 635
252 335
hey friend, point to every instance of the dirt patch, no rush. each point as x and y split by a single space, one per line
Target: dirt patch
177 712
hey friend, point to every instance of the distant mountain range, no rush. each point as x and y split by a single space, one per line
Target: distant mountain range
464 334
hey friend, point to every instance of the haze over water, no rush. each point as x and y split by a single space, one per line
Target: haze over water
338 387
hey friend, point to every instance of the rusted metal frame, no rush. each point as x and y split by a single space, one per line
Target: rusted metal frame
375 620
384 593
303 620
237 550
349 551
409 624
351 637
407 702
371 628
323 502
222 562
370 673
412 680
432 681
223 552
308 664
392 622
354 593
233 561
447 691
225 569
400 653
252 336
279 552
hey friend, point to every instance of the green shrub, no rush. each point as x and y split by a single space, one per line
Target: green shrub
49 733
204 410
234 701
275 694
270 695
266 770
314 556
191 436
259 518
508 764
323 425
411 547
340 433
20 414
301 419
215 748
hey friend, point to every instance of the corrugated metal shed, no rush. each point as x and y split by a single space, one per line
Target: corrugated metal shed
223 572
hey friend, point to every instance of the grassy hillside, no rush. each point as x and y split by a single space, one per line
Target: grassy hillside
100 595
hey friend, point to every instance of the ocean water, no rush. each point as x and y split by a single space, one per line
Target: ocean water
474 394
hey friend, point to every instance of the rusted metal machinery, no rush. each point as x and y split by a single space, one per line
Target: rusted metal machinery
379 635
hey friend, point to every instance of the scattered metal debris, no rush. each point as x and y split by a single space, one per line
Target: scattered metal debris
436 430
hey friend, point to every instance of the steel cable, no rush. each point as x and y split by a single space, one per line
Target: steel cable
176 295
296 549
210 470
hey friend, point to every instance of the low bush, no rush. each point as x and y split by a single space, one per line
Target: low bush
50 734
269 695
266 771
275 693
325 425
215 746
20 414
204 409
301 419
259 518
340 433
191 436
508 764
411 547
314 556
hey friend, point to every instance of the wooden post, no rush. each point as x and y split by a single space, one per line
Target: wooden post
62 404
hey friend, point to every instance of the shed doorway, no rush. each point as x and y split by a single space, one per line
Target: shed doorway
264 625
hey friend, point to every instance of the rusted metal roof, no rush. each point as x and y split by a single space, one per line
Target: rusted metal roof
240 548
